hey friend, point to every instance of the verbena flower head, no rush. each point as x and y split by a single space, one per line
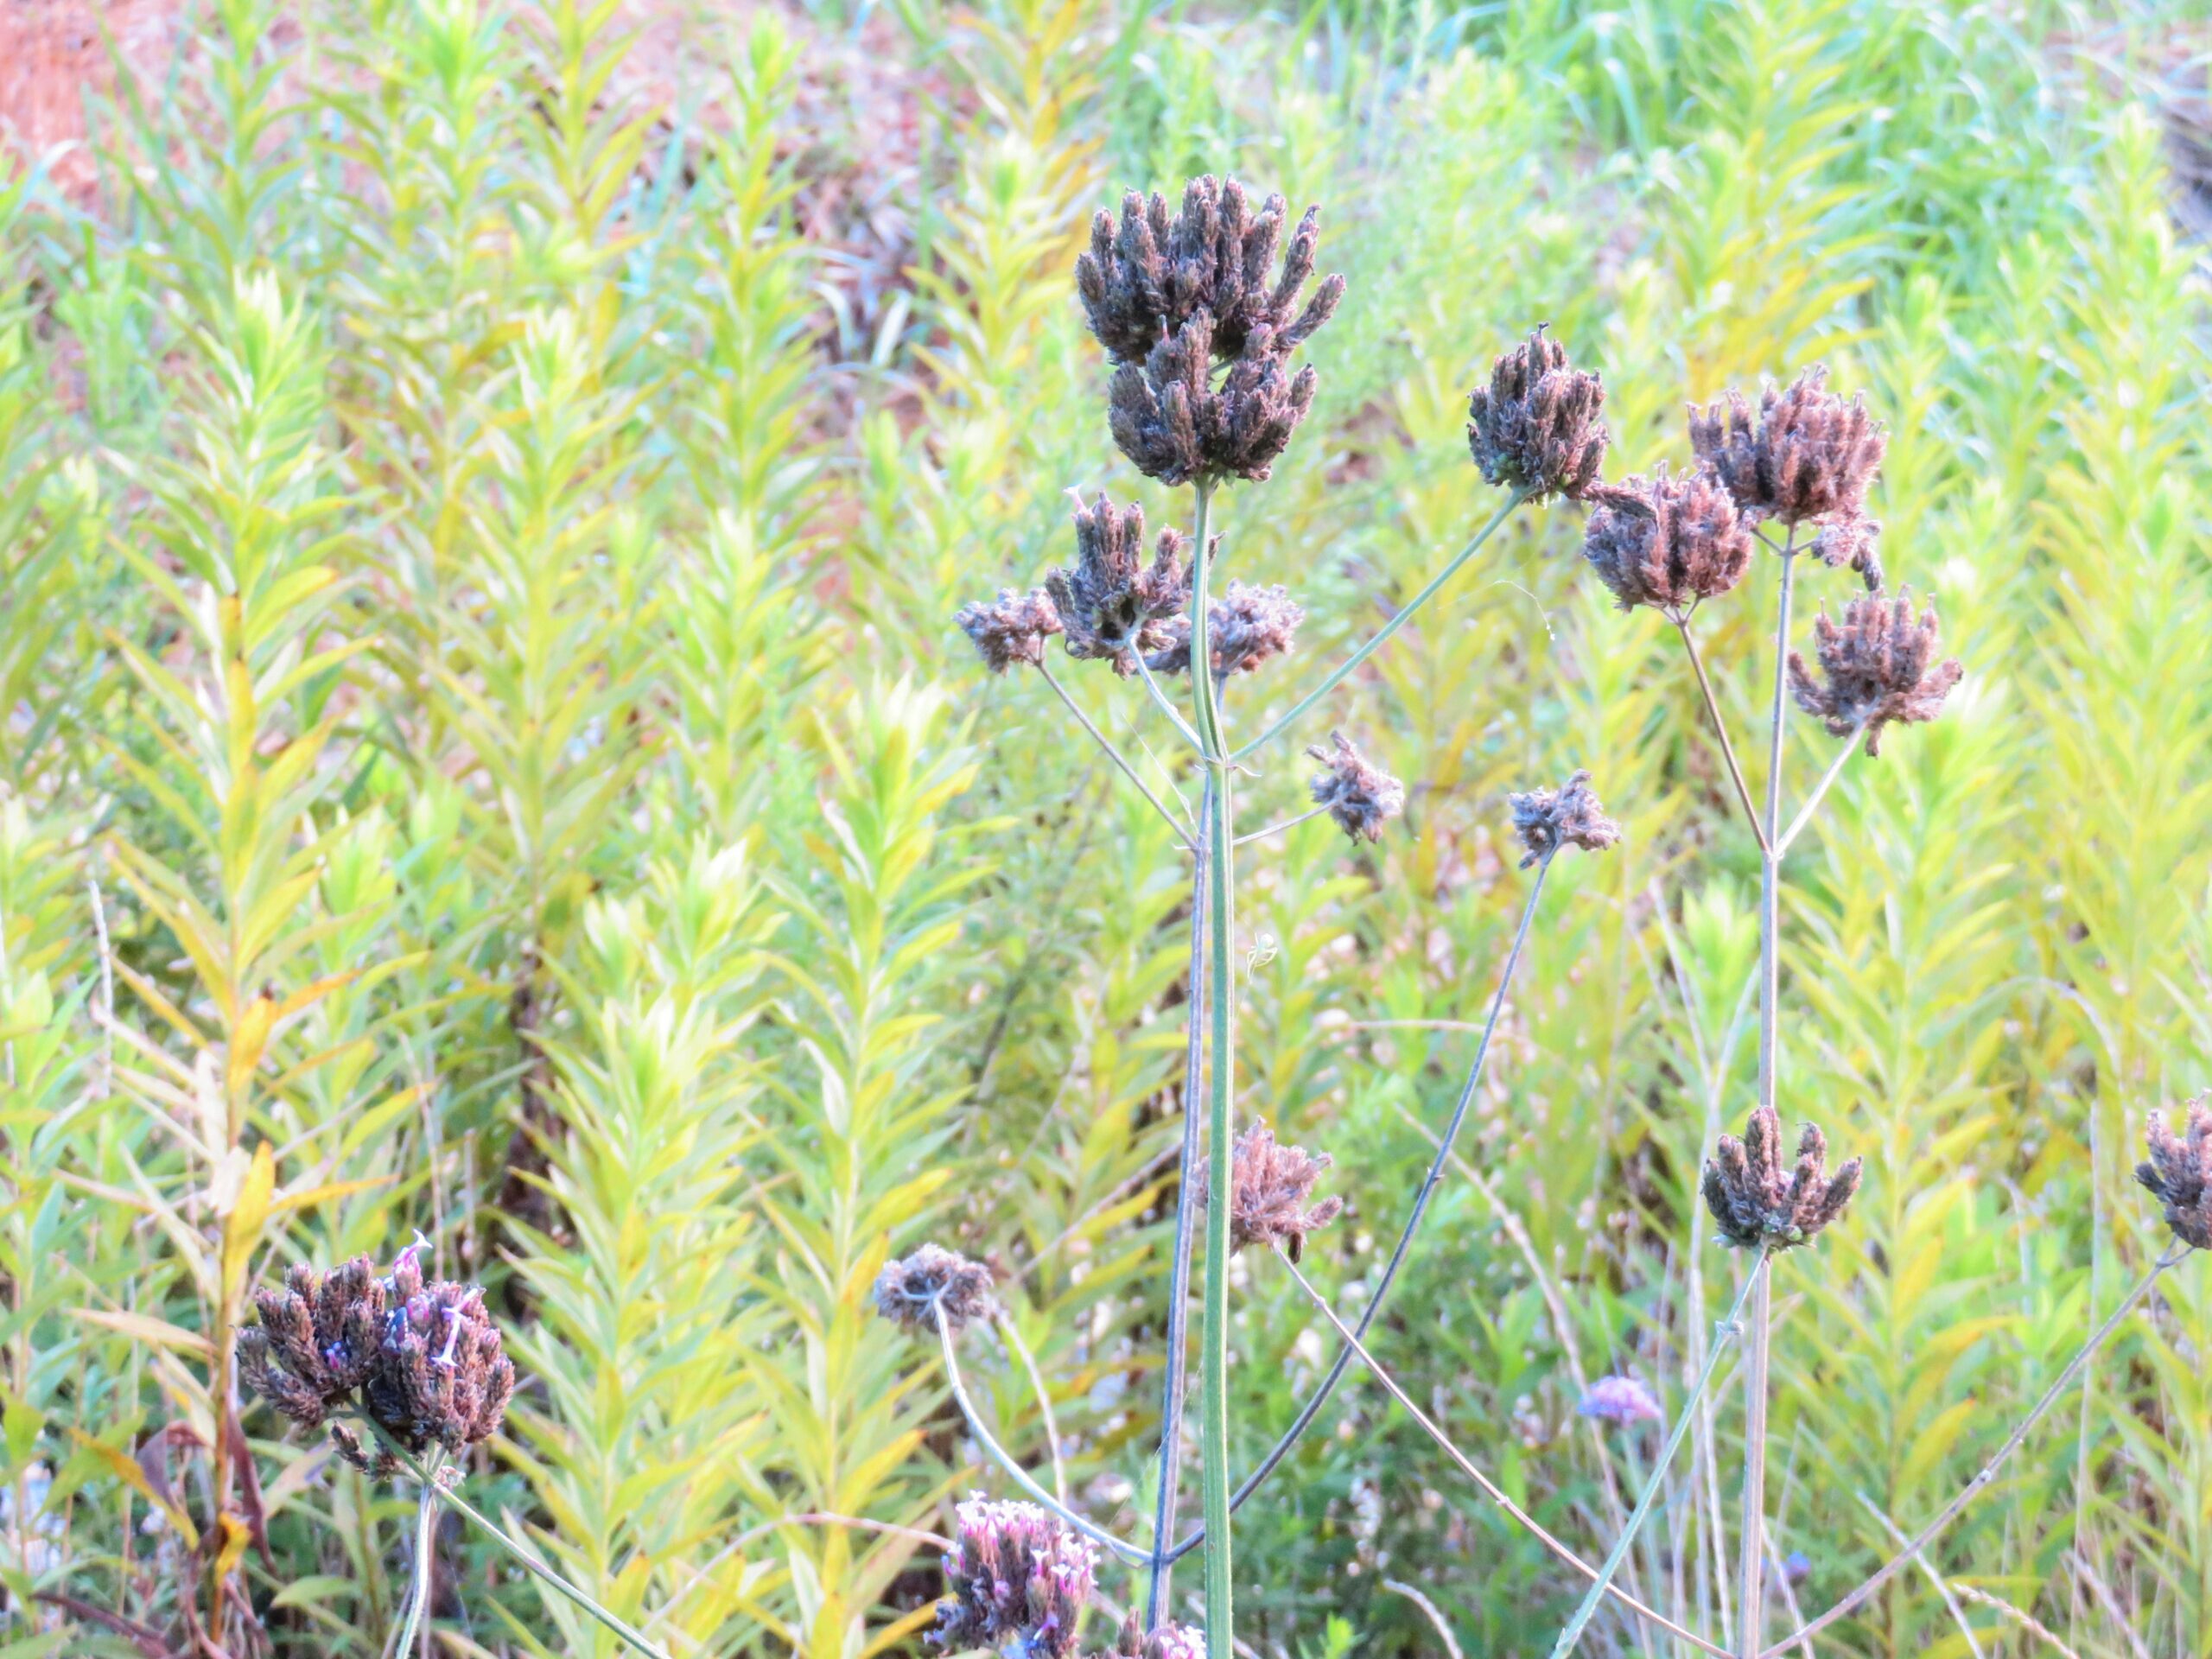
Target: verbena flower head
317 1340
1359 795
1172 421
1018 1581
1012 628
1145 278
911 1288
1666 542
1877 666
1809 454
1570 816
1622 1400
1762 1206
1854 540
1268 1187
1169 1641
1536 427
1110 602
2178 1172
1244 628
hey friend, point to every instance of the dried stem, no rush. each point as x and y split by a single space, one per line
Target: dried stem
1882 1575
1490 1489
1327 1386
1277 829
1011 1332
1813 801
1166 707
1182 828
1720 730
1750 1595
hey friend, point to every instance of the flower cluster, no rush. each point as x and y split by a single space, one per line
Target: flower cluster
1244 628
1111 604
911 1288
1018 1581
1358 795
1570 816
2178 1172
1268 1185
1536 427
1621 1400
1878 666
1808 454
1666 542
423 1360
1758 1204
1169 1641
1012 628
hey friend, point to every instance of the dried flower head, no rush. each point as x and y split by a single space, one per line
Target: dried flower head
1169 1641
444 1378
1359 795
1536 427
1111 603
2178 1172
911 1289
1244 628
1268 1187
1144 279
1011 629
1018 1581
1622 1400
1570 816
1877 666
1760 1205
1171 420
317 1341
1666 542
1852 539
1810 454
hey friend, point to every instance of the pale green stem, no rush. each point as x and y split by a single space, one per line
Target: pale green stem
1277 829
1720 730
1406 614
1751 1598
1174 715
1182 828
1684 1416
1813 801
1011 1332
418 1596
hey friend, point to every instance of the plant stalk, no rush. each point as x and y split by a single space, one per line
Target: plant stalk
418 1596
1182 829
1750 1593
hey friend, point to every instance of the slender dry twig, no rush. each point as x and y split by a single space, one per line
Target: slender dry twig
1183 832
1435 1615
2028 1623
1011 1332
1928 1569
1277 829
1720 731
1835 770
2110 1603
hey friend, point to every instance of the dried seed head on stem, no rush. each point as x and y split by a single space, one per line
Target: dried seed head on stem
1268 1188
2178 1172
1536 427
1112 604
1358 796
1245 627
912 1287
1877 666
1758 1203
1012 628
1808 453
1570 816
1176 425
1667 542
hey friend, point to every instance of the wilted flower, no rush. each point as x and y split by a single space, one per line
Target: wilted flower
1244 628
1666 542
1359 795
1146 278
1760 1206
1535 426
1169 1641
1011 629
1852 539
1570 816
317 1341
1621 1400
1018 1581
1111 604
1878 666
1268 1187
1810 454
911 1289
2178 1172
1169 418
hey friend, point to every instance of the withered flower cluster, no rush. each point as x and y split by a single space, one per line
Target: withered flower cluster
1758 1204
1012 628
1570 816
1018 1581
1170 298
1359 795
1110 602
911 1288
422 1361
1666 542
2178 1172
1268 1188
1245 627
1536 427
1169 1641
1806 456
1877 666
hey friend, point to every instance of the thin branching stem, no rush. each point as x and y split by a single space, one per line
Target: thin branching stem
1180 826
1813 801
1882 1575
1684 1416
1514 499
1328 1383
1758 1337
1277 829
1186 1230
1166 705
419 1593
1490 1488
1720 730
1006 1460
1011 1332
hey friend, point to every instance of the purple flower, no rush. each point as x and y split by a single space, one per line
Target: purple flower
1018 1581
1622 1400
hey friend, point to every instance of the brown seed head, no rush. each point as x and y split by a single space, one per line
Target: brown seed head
1011 629
1359 795
1758 1205
1169 418
1536 427
318 1339
1808 454
1244 628
911 1288
1878 666
1268 1187
1110 602
1017 1580
1854 540
1143 279
444 1378
2178 1172
1570 816
1666 542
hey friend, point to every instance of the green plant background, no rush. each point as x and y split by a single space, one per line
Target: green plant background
482 526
